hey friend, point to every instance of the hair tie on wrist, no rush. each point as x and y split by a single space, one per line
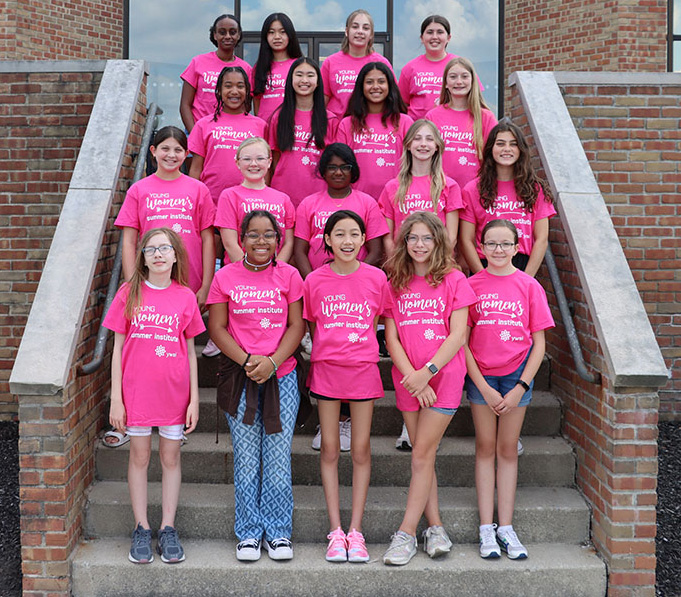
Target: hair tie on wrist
248 358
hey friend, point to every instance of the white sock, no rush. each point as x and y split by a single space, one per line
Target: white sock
505 529
484 527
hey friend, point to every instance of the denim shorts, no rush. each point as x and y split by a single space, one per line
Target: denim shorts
444 411
502 383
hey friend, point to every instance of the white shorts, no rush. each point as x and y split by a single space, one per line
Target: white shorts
168 431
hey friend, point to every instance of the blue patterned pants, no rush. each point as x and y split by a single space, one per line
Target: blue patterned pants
263 495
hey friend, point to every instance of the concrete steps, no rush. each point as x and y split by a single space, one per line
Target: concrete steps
101 569
548 461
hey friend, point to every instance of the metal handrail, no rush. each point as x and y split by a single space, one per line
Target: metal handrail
103 333
564 308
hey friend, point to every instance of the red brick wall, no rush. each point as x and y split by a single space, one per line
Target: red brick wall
64 30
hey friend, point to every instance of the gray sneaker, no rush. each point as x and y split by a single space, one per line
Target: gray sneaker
140 546
402 549
436 542
169 546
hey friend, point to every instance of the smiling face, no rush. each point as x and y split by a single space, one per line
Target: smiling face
338 174
259 241
505 151
360 32
159 256
277 38
499 246
233 93
376 87
227 35
169 156
420 243
435 39
423 147
459 81
304 80
345 240
253 162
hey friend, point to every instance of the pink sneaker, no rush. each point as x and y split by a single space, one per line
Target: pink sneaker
337 551
357 549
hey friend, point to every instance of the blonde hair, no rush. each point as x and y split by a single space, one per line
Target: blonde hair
400 266
345 44
437 173
141 273
252 141
476 103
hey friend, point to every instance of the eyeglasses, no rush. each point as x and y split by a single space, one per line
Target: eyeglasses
413 239
271 235
492 246
259 160
333 168
163 250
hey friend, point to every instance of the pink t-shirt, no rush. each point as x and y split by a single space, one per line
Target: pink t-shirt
184 205
339 73
421 82
314 211
509 310
378 149
422 316
238 201
460 160
257 306
296 171
202 74
507 207
217 142
155 362
273 96
418 199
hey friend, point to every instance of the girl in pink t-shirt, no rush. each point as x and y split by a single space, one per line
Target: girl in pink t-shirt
421 185
342 303
464 120
200 77
215 138
507 188
338 168
339 70
172 199
279 47
425 330
298 132
504 351
253 159
154 379
256 321
375 127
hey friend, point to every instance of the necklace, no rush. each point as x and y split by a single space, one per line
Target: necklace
342 199
254 266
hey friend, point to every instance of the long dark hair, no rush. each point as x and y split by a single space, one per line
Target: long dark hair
287 111
525 179
263 66
218 90
358 106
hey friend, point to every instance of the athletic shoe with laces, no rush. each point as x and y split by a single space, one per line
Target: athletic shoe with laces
436 542
140 546
345 431
169 546
489 548
510 543
248 550
521 449
279 549
337 550
403 442
357 548
402 549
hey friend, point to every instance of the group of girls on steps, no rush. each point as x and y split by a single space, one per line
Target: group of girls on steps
387 187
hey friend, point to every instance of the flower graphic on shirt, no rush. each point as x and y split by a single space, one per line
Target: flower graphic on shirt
305 160
177 228
380 162
265 323
462 160
505 335
353 337
160 350
429 334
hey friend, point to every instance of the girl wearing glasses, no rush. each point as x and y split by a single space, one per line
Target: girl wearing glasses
504 351
421 185
425 330
507 187
256 322
254 158
154 380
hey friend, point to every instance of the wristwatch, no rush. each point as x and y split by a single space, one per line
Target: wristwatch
432 367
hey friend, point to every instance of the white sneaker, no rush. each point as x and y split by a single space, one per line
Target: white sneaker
403 442
436 542
345 430
510 543
402 549
317 439
210 350
248 550
489 548
279 549
520 448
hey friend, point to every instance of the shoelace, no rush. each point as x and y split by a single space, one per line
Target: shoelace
249 543
170 538
511 538
488 535
283 542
